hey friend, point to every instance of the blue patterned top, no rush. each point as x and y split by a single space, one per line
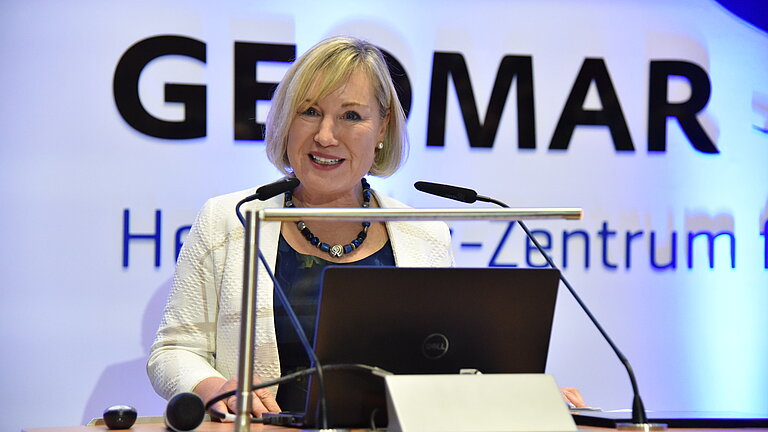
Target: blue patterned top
299 275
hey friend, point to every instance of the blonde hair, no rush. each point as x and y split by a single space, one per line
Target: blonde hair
325 67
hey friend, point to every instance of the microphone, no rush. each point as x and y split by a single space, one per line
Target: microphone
447 191
281 186
266 192
639 417
184 412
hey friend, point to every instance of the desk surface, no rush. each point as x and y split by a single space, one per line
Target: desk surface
223 427
156 427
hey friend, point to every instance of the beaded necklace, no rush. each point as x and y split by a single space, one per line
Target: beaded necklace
337 250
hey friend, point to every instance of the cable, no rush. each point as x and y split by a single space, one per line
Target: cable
290 377
323 412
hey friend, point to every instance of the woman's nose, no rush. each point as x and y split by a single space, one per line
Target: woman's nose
326 135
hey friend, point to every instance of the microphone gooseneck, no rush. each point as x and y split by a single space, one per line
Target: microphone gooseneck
639 416
264 193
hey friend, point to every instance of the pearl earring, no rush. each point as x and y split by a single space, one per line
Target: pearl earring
380 145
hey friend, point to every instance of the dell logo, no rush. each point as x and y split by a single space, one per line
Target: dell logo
434 346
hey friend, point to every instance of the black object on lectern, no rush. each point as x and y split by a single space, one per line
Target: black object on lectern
676 419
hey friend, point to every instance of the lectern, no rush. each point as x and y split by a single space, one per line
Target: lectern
253 225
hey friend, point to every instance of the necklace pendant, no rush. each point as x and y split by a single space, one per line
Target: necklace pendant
336 251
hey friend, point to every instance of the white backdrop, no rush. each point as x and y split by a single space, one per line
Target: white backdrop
77 324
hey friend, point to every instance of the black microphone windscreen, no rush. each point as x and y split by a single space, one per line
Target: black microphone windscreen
184 412
281 186
447 191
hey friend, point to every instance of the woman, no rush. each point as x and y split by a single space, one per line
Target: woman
335 118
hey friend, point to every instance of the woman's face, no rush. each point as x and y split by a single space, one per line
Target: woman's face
332 143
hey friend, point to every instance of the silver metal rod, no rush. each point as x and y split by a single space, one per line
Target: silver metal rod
389 214
250 281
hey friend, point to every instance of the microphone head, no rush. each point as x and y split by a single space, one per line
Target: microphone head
447 191
281 186
184 412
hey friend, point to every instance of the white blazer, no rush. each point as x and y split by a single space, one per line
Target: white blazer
200 330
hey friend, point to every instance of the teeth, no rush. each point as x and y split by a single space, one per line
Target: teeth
324 161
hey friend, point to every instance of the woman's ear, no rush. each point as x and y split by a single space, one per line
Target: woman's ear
383 129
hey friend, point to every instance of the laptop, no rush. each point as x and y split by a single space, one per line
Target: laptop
425 321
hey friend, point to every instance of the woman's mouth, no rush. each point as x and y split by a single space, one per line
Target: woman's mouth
325 161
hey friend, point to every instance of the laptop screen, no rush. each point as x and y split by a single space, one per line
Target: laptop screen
422 321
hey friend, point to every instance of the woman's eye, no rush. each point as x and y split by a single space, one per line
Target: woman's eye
351 115
310 112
